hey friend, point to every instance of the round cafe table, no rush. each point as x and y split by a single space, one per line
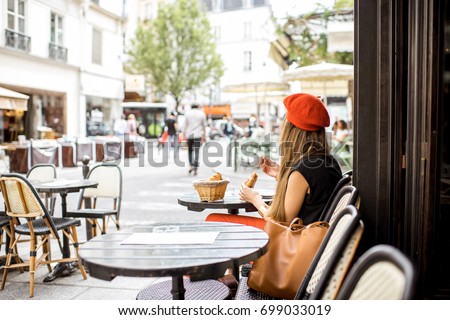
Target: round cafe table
231 201
176 255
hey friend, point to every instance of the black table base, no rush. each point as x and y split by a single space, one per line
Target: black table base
65 268
178 289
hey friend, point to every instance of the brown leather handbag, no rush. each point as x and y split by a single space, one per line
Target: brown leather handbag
280 271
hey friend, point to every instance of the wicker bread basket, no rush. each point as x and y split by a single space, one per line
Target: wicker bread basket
211 190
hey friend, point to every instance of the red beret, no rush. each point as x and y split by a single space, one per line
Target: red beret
306 112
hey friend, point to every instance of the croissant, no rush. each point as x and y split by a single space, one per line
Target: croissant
216 177
250 182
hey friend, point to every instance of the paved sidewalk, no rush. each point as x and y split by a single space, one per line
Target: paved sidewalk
150 195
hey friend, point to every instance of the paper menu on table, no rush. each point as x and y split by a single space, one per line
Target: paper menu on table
171 238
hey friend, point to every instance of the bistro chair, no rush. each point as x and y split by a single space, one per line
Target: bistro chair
22 201
344 181
5 228
347 195
337 248
334 259
109 189
44 172
195 290
348 173
4 161
382 273
112 150
84 148
4 224
44 151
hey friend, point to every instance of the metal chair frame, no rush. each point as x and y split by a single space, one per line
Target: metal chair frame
348 195
51 153
344 181
92 214
4 227
371 276
31 175
334 256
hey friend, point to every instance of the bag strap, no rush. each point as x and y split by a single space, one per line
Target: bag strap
295 221
319 224
298 223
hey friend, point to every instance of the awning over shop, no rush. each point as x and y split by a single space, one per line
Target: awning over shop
12 100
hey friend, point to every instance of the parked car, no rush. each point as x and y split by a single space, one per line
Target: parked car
217 129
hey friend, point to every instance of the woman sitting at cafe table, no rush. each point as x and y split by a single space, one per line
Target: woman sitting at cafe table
307 173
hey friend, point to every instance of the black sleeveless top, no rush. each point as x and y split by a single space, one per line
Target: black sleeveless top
322 174
170 123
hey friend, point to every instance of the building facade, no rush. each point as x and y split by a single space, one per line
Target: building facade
244 31
66 56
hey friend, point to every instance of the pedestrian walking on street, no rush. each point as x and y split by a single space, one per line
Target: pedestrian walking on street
120 126
228 129
132 127
172 130
194 130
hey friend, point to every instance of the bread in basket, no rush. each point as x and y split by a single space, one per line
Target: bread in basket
211 189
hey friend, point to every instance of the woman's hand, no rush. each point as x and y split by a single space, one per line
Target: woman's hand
269 167
252 196
249 194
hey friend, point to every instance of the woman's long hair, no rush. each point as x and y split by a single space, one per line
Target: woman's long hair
295 144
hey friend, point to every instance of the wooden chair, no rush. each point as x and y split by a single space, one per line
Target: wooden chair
338 246
22 201
109 178
382 273
44 172
4 227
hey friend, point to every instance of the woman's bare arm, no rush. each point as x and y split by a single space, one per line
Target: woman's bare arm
297 189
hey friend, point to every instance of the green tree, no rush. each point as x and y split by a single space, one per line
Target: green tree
308 35
176 50
343 4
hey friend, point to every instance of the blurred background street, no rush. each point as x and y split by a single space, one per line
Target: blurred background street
149 196
150 193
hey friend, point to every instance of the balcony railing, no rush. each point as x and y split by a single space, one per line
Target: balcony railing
57 52
17 40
